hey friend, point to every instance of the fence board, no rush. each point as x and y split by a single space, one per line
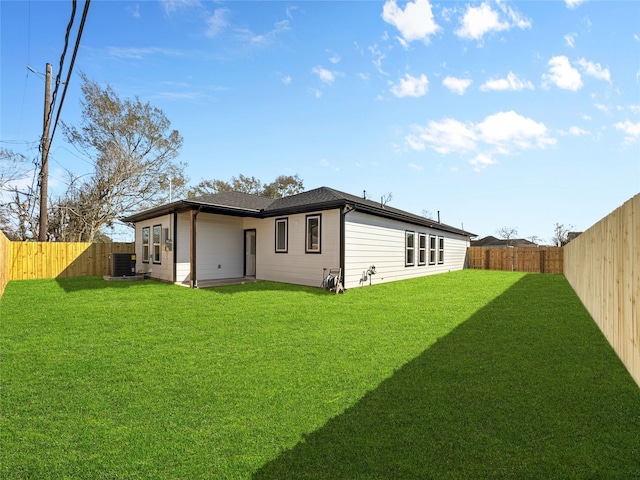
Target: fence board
603 267
35 260
518 259
5 250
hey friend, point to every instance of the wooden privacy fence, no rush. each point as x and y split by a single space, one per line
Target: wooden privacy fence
35 260
603 267
5 249
518 259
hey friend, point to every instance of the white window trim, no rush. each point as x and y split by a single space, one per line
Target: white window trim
422 251
408 249
433 249
145 258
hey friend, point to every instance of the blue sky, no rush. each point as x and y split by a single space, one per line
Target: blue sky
516 114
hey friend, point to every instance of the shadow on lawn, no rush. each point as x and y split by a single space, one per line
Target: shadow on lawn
525 388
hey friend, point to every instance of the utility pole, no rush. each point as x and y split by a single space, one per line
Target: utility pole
44 171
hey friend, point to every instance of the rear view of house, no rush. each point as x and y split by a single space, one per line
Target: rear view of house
296 239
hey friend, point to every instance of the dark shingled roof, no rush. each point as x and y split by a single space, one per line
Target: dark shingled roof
245 204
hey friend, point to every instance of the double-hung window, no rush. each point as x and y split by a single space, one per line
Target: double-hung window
145 244
313 233
432 250
410 247
440 249
422 249
157 231
282 235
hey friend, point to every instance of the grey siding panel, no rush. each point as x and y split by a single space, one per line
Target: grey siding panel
296 266
371 240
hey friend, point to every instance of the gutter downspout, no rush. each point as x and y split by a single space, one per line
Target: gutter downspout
173 246
343 213
193 279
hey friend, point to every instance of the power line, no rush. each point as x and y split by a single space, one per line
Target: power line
71 64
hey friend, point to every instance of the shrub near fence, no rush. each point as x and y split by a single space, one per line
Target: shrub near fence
603 267
519 259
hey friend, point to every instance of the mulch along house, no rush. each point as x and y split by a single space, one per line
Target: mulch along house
295 239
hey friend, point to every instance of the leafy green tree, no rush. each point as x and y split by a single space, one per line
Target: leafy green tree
282 186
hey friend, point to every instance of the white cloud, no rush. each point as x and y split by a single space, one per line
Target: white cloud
634 108
378 57
632 130
261 39
139 53
562 74
478 21
287 80
171 6
577 131
457 85
414 166
415 22
573 3
411 86
507 130
512 82
335 58
481 161
570 38
499 134
315 92
326 76
594 70
217 22
326 164
574 132
446 136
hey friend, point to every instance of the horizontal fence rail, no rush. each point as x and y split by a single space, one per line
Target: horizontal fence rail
36 260
517 259
603 267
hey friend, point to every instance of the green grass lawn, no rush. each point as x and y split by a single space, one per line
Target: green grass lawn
471 374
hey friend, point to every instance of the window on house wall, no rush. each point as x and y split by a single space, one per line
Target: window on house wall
313 233
432 250
440 249
422 249
282 234
157 231
145 244
410 244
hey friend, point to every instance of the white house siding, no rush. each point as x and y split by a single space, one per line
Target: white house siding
372 240
219 247
164 269
183 248
296 266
